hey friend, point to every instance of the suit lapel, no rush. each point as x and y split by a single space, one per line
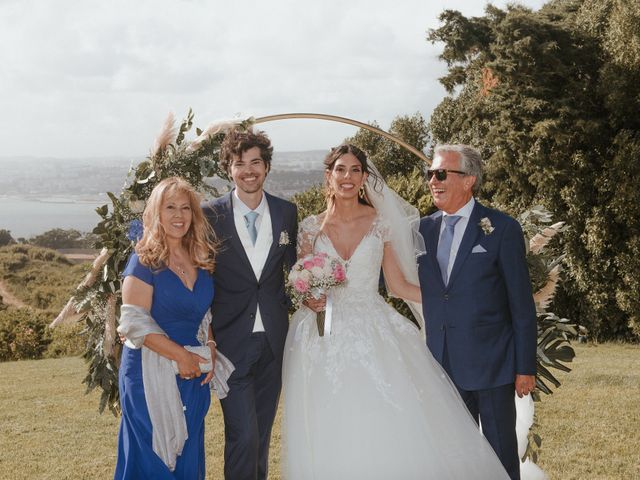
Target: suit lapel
277 221
432 236
469 239
229 226
431 240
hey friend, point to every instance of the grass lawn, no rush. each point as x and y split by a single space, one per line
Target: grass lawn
590 426
50 430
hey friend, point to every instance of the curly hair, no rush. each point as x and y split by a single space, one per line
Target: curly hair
238 141
337 152
200 240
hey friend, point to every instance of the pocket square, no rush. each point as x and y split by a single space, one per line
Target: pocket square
478 249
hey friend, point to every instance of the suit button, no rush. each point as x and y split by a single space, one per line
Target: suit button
253 315
446 296
442 328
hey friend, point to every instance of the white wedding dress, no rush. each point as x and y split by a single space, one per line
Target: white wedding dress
369 401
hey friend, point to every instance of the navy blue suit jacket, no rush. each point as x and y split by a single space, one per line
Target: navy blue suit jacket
238 291
486 315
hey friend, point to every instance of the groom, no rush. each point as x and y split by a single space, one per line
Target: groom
477 300
257 234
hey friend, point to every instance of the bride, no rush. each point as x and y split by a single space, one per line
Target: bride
367 400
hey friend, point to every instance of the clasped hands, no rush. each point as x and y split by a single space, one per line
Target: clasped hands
189 364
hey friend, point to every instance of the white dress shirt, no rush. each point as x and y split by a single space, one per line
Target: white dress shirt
464 213
257 253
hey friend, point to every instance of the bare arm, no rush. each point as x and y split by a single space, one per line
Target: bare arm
137 292
395 279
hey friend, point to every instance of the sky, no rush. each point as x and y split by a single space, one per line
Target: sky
82 78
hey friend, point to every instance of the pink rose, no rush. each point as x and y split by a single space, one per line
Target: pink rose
301 286
308 264
339 274
318 261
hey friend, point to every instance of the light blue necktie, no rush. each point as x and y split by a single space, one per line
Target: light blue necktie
444 245
250 222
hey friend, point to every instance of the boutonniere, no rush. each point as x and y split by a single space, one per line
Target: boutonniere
485 225
284 238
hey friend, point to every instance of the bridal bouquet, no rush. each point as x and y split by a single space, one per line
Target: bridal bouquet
312 276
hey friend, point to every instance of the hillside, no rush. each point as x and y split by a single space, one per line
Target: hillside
38 277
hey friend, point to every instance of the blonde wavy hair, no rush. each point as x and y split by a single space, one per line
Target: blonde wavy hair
200 240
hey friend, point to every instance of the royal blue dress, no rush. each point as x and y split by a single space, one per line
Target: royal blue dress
178 311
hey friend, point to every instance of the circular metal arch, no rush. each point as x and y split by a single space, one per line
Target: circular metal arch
355 123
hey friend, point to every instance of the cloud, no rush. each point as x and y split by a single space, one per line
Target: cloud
97 78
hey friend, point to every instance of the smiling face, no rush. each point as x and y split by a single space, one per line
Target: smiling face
175 215
452 194
248 171
346 177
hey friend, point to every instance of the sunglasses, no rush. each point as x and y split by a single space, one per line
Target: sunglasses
441 174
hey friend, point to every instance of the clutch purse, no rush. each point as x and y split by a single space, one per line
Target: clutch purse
203 351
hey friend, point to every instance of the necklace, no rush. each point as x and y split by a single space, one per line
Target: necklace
179 267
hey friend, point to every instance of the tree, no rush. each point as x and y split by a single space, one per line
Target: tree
550 99
58 238
6 238
389 157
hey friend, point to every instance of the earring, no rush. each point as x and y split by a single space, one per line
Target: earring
328 192
361 192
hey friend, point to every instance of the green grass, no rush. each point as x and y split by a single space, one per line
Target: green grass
50 430
590 426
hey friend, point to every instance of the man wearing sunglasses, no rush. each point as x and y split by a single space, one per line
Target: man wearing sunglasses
477 298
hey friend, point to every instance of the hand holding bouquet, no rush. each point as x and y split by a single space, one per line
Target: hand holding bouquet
311 276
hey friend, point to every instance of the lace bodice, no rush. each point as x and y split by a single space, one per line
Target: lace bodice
363 268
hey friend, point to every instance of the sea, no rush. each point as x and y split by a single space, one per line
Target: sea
27 217
39 194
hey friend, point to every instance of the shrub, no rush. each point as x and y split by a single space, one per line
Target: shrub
310 202
13 262
67 340
23 334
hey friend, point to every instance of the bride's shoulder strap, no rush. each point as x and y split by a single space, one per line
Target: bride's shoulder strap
308 230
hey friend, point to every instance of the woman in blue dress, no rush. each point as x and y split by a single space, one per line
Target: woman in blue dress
168 277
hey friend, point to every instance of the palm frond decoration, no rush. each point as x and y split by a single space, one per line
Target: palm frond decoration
544 296
541 239
554 349
165 138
